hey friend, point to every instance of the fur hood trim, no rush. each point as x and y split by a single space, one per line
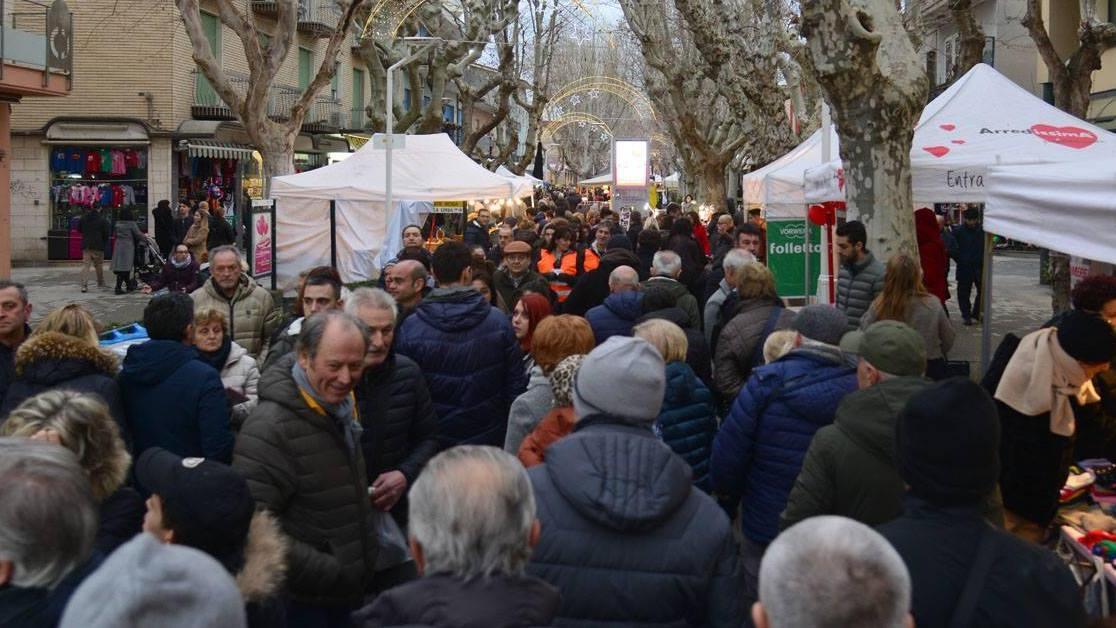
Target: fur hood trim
58 346
265 560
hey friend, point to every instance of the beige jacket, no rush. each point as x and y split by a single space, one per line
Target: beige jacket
196 237
251 313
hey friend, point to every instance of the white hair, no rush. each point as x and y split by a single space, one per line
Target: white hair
735 259
372 298
47 514
624 276
471 510
666 263
833 571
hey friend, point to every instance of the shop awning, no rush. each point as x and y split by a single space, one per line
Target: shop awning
215 149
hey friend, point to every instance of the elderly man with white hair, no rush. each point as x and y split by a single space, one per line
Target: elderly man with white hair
832 571
620 310
48 520
734 260
666 267
473 527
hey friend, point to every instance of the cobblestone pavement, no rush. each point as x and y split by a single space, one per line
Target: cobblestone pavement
1019 303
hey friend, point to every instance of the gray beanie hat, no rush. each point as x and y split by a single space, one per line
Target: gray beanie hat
147 583
624 378
821 323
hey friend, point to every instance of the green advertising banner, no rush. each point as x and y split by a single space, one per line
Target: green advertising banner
786 256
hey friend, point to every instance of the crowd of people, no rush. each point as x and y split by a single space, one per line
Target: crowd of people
568 419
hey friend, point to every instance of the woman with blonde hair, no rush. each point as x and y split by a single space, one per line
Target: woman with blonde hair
63 353
238 370
687 421
81 423
904 298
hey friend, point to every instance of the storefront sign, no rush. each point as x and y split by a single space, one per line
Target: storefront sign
786 256
448 207
262 253
1080 268
253 187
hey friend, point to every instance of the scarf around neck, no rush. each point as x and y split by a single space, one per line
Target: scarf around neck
183 264
217 358
1041 377
342 413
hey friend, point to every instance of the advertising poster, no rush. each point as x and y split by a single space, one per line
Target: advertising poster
786 256
631 164
261 238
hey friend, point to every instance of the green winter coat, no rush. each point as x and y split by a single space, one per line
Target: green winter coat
850 468
682 298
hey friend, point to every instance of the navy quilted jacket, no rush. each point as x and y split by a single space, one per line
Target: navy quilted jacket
687 421
616 316
472 363
759 457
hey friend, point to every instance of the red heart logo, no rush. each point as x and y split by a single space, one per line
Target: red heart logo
937 151
948 127
1070 136
958 141
261 226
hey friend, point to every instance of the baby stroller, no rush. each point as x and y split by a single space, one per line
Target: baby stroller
149 263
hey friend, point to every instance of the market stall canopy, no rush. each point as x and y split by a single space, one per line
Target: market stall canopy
428 168
1067 207
601 179
778 187
982 120
672 181
525 184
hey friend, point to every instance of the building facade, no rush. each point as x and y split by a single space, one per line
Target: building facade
141 124
1062 18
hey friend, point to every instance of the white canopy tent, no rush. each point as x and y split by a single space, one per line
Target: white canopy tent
672 181
526 182
1068 207
778 186
982 120
350 197
601 179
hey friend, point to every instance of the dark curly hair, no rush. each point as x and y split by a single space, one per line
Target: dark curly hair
1092 293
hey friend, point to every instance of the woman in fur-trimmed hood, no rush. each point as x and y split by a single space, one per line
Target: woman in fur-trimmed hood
63 352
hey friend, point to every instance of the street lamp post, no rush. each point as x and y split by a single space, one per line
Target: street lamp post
389 98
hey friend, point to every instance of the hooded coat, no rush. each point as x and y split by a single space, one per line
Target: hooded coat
850 468
174 401
300 469
251 312
616 316
591 289
932 254
626 538
688 421
54 360
447 601
260 579
682 299
759 451
471 359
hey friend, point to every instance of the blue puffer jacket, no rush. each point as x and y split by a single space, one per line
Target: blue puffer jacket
616 316
759 451
472 363
687 421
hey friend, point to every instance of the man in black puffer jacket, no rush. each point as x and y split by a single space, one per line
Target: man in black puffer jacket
400 428
625 535
300 452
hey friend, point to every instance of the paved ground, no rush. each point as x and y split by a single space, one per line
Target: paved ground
1019 302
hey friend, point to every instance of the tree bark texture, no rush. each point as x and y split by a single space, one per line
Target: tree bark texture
876 89
970 38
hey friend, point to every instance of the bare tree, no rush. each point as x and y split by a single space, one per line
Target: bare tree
970 36
876 87
1072 78
274 138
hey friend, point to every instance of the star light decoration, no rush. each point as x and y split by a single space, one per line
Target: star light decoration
581 124
604 136
594 94
575 99
557 111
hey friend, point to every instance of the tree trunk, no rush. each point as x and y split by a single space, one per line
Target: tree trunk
970 36
876 88
709 185
1059 282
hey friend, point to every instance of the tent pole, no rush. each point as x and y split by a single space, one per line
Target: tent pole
806 286
274 268
333 234
986 305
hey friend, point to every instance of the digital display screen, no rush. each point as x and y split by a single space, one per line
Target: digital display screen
631 163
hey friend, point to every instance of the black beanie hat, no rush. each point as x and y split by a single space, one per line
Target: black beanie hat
948 438
1087 338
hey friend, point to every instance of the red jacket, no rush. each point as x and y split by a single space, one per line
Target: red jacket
932 252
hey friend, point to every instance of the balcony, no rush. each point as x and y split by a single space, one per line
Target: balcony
31 63
324 116
209 106
316 18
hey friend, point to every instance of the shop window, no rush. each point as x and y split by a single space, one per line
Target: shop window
215 180
112 178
